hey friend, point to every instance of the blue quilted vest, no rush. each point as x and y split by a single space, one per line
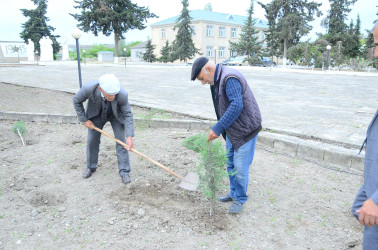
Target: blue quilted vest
248 124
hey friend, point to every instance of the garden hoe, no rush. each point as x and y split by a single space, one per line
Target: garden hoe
189 181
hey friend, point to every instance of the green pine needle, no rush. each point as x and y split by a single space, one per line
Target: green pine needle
19 127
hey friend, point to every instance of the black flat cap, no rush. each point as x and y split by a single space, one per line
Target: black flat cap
197 66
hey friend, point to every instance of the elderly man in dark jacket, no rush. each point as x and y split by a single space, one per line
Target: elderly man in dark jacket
365 206
106 101
239 120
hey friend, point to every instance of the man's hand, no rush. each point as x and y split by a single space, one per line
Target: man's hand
129 143
89 124
368 213
212 136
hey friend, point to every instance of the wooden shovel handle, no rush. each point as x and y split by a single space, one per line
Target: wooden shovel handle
138 153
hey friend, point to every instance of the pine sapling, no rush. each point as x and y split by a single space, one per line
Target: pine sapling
20 129
211 168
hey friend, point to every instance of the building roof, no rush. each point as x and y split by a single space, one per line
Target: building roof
205 15
139 45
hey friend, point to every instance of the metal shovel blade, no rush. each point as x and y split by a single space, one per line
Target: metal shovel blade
189 182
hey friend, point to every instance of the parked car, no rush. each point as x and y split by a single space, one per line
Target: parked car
265 62
190 61
235 61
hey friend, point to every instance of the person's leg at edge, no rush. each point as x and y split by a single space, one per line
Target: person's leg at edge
243 158
370 238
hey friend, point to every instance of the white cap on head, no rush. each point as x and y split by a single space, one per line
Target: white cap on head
109 83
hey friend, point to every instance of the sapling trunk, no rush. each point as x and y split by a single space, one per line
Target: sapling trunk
22 139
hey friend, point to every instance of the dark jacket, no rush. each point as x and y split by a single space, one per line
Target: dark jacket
120 105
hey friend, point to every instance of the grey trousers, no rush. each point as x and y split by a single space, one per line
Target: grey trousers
93 144
370 233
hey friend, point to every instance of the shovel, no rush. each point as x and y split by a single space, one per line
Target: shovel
189 181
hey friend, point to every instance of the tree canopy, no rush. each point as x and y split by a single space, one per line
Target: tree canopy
149 55
183 46
111 16
249 43
36 26
289 21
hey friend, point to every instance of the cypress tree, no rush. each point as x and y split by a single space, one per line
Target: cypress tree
335 20
111 16
149 55
289 21
248 43
183 45
36 26
165 53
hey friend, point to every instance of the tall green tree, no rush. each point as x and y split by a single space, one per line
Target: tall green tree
335 20
165 53
36 26
111 16
352 39
289 21
248 43
183 45
149 55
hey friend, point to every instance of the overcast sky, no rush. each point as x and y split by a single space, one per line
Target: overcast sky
58 11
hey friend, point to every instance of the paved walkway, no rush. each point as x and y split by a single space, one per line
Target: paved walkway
335 107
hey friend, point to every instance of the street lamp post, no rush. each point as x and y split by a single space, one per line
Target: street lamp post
76 34
328 50
124 52
215 56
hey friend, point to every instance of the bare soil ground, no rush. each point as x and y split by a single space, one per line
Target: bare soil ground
45 203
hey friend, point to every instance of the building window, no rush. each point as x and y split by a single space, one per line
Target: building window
162 33
221 52
209 30
233 53
193 30
222 31
233 32
209 51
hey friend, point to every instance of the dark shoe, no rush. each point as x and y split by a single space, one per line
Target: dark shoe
88 172
126 178
236 207
225 198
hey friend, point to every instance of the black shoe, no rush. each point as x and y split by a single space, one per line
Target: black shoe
88 172
236 207
225 198
126 178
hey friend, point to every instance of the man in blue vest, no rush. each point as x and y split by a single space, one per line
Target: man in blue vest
365 206
239 121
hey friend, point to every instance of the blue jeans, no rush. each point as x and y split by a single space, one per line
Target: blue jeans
238 162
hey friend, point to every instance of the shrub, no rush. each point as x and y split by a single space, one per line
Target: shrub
211 168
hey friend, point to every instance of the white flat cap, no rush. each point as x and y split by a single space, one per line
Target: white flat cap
109 83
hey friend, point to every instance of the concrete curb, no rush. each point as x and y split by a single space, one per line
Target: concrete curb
335 156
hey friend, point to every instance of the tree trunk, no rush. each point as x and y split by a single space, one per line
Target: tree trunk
116 39
285 53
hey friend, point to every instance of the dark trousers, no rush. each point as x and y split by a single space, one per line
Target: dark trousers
93 143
